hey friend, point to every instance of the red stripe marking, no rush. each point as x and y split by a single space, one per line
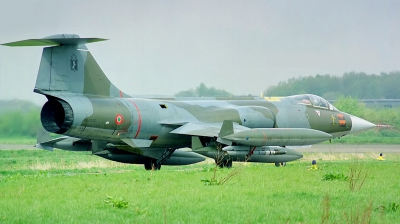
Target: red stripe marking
140 119
120 93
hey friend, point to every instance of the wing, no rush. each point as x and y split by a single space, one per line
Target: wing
228 133
205 129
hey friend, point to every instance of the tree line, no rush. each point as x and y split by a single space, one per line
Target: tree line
19 118
19 123
359 85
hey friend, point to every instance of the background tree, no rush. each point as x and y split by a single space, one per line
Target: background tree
19 118
203 91
359 85
350 105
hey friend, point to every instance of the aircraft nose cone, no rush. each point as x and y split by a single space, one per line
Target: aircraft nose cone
359 124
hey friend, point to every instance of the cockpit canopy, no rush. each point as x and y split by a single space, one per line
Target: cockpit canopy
313 100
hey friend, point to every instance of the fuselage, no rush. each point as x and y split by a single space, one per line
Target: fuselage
109 119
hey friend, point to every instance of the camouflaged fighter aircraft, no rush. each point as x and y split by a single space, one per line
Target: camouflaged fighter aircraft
84 105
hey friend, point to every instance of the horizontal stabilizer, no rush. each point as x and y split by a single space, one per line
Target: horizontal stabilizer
55 40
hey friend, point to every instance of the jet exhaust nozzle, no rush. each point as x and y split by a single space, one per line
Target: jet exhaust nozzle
56 116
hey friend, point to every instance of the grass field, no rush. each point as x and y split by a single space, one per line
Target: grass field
72 187
17 140
375 136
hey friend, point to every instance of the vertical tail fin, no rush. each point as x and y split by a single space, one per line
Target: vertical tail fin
68 66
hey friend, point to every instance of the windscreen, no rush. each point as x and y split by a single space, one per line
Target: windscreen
313 100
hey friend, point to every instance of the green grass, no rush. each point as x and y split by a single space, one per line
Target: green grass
366 140
17 140
72 187
374 136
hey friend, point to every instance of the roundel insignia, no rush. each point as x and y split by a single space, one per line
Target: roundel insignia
119 119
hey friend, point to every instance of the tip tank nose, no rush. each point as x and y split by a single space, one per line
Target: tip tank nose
294 153
359 124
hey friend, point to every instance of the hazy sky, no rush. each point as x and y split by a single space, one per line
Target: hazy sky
162 47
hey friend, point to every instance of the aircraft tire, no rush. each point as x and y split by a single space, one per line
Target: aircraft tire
280 164
150 163
224 163
228 163
147 166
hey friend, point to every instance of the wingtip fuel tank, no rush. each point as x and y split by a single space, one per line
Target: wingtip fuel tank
278 136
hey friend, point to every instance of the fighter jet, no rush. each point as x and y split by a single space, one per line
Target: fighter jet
94 115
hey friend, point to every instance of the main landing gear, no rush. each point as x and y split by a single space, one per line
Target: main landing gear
151 163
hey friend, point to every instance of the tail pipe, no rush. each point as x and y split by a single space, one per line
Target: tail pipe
56 116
